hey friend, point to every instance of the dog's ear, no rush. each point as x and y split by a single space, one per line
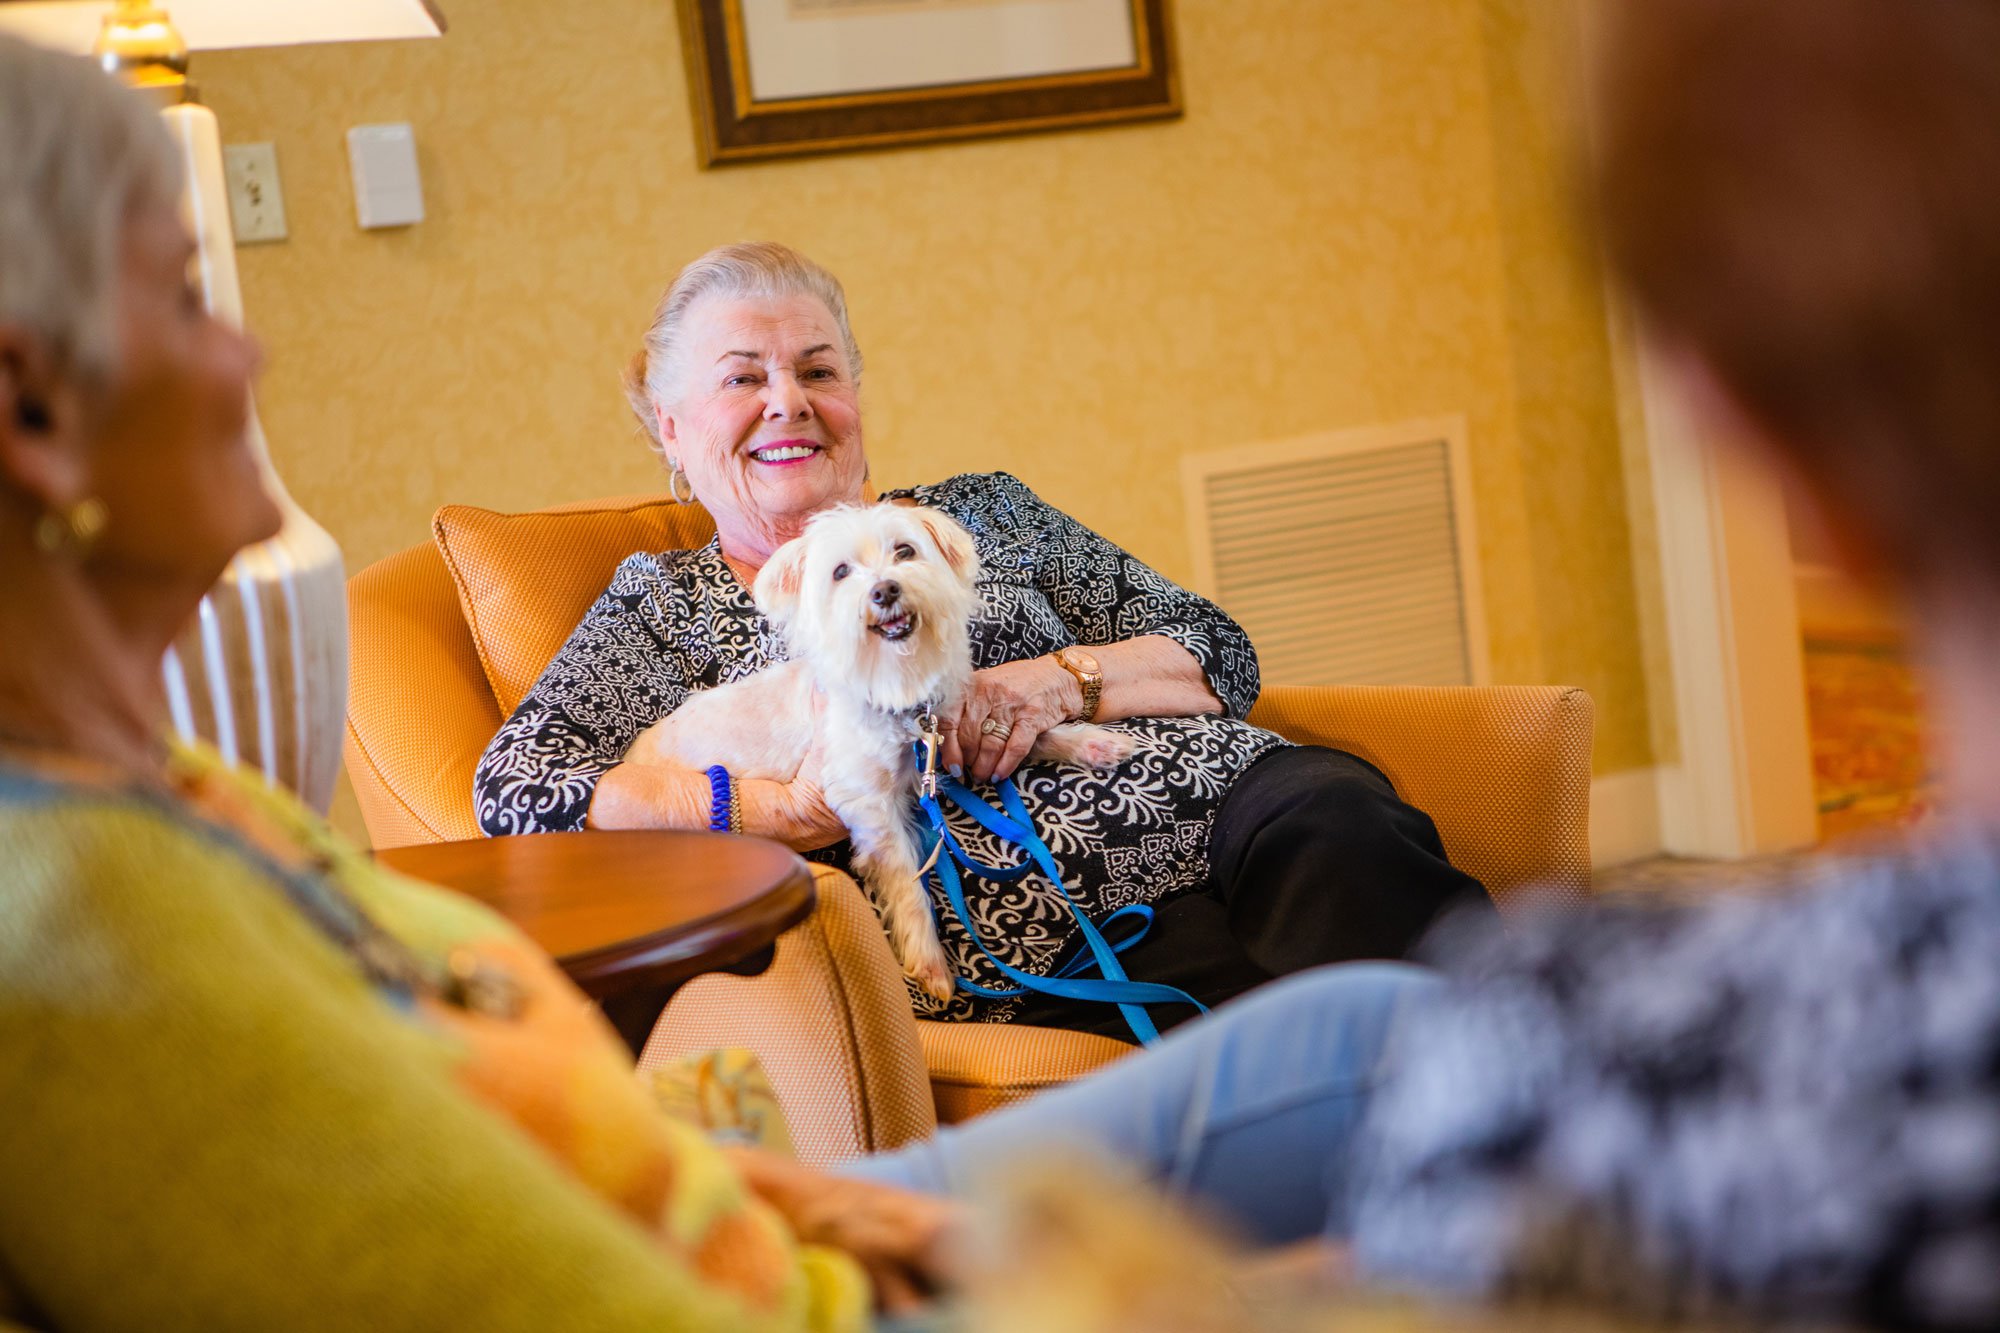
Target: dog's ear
954 543
779 581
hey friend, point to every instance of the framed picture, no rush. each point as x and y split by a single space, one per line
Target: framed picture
778 78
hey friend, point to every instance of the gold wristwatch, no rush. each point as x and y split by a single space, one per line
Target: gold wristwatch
1089 678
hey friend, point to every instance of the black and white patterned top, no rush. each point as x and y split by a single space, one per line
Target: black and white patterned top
1779 1105
679 621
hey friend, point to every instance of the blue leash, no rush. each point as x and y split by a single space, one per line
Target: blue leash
1112 985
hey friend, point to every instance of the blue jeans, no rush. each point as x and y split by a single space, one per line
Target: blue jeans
1249 1111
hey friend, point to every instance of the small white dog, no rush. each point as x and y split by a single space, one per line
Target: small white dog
873 602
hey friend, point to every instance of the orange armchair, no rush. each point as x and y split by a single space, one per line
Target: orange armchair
448 635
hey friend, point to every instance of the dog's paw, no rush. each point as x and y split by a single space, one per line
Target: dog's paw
924 961
1107 750
932 976
1081 743
913 939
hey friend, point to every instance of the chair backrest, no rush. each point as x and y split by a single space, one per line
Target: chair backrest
446 635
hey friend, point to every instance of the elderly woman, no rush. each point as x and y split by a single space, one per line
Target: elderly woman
1261 857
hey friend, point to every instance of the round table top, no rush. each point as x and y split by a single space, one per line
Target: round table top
624 909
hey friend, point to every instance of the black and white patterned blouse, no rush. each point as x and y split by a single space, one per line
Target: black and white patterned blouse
679 621
1774 1105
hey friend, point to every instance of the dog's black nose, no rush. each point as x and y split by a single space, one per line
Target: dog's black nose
886 592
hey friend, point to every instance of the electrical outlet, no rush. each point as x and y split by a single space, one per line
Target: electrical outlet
256 199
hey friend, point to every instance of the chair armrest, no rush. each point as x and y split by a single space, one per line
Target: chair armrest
980 1067
829 1020
1503 770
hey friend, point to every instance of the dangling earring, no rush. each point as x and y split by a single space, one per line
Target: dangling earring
73 531
675 480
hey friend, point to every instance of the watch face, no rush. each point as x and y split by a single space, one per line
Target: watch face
1081 660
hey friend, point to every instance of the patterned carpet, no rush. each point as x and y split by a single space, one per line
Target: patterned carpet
1870 766
1871 771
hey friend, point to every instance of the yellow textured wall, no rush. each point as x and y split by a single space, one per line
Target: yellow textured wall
1577 480
1357 222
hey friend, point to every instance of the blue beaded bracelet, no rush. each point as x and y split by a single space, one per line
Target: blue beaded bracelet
722 803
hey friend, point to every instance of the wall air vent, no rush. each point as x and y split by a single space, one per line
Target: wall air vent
1351 558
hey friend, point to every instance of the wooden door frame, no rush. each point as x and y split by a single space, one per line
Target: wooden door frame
1740 782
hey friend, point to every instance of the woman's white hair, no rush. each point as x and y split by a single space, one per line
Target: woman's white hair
763 269
78 153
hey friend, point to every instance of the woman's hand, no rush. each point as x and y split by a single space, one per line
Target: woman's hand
674 796
1150 676
902 1239
1021 700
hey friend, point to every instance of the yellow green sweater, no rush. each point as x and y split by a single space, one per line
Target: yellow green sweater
211 1119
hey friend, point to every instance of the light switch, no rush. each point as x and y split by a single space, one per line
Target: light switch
387 189
256 199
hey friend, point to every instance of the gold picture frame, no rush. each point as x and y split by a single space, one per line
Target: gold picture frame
732 125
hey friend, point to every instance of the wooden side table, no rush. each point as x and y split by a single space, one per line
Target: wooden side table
630 916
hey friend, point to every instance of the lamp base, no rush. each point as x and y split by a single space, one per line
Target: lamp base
261 672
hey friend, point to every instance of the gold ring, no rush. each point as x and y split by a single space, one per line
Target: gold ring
993 726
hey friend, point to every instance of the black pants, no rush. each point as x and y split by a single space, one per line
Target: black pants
1314 860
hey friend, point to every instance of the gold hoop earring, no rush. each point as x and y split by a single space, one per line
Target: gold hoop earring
73 531
675 480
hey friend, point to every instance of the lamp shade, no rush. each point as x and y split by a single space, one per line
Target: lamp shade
214 25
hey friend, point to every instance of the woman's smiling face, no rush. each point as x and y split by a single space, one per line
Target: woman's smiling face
768 425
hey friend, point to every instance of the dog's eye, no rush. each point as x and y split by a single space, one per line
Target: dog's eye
840 572
905 551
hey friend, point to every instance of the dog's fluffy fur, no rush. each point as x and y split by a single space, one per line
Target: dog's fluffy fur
873 602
